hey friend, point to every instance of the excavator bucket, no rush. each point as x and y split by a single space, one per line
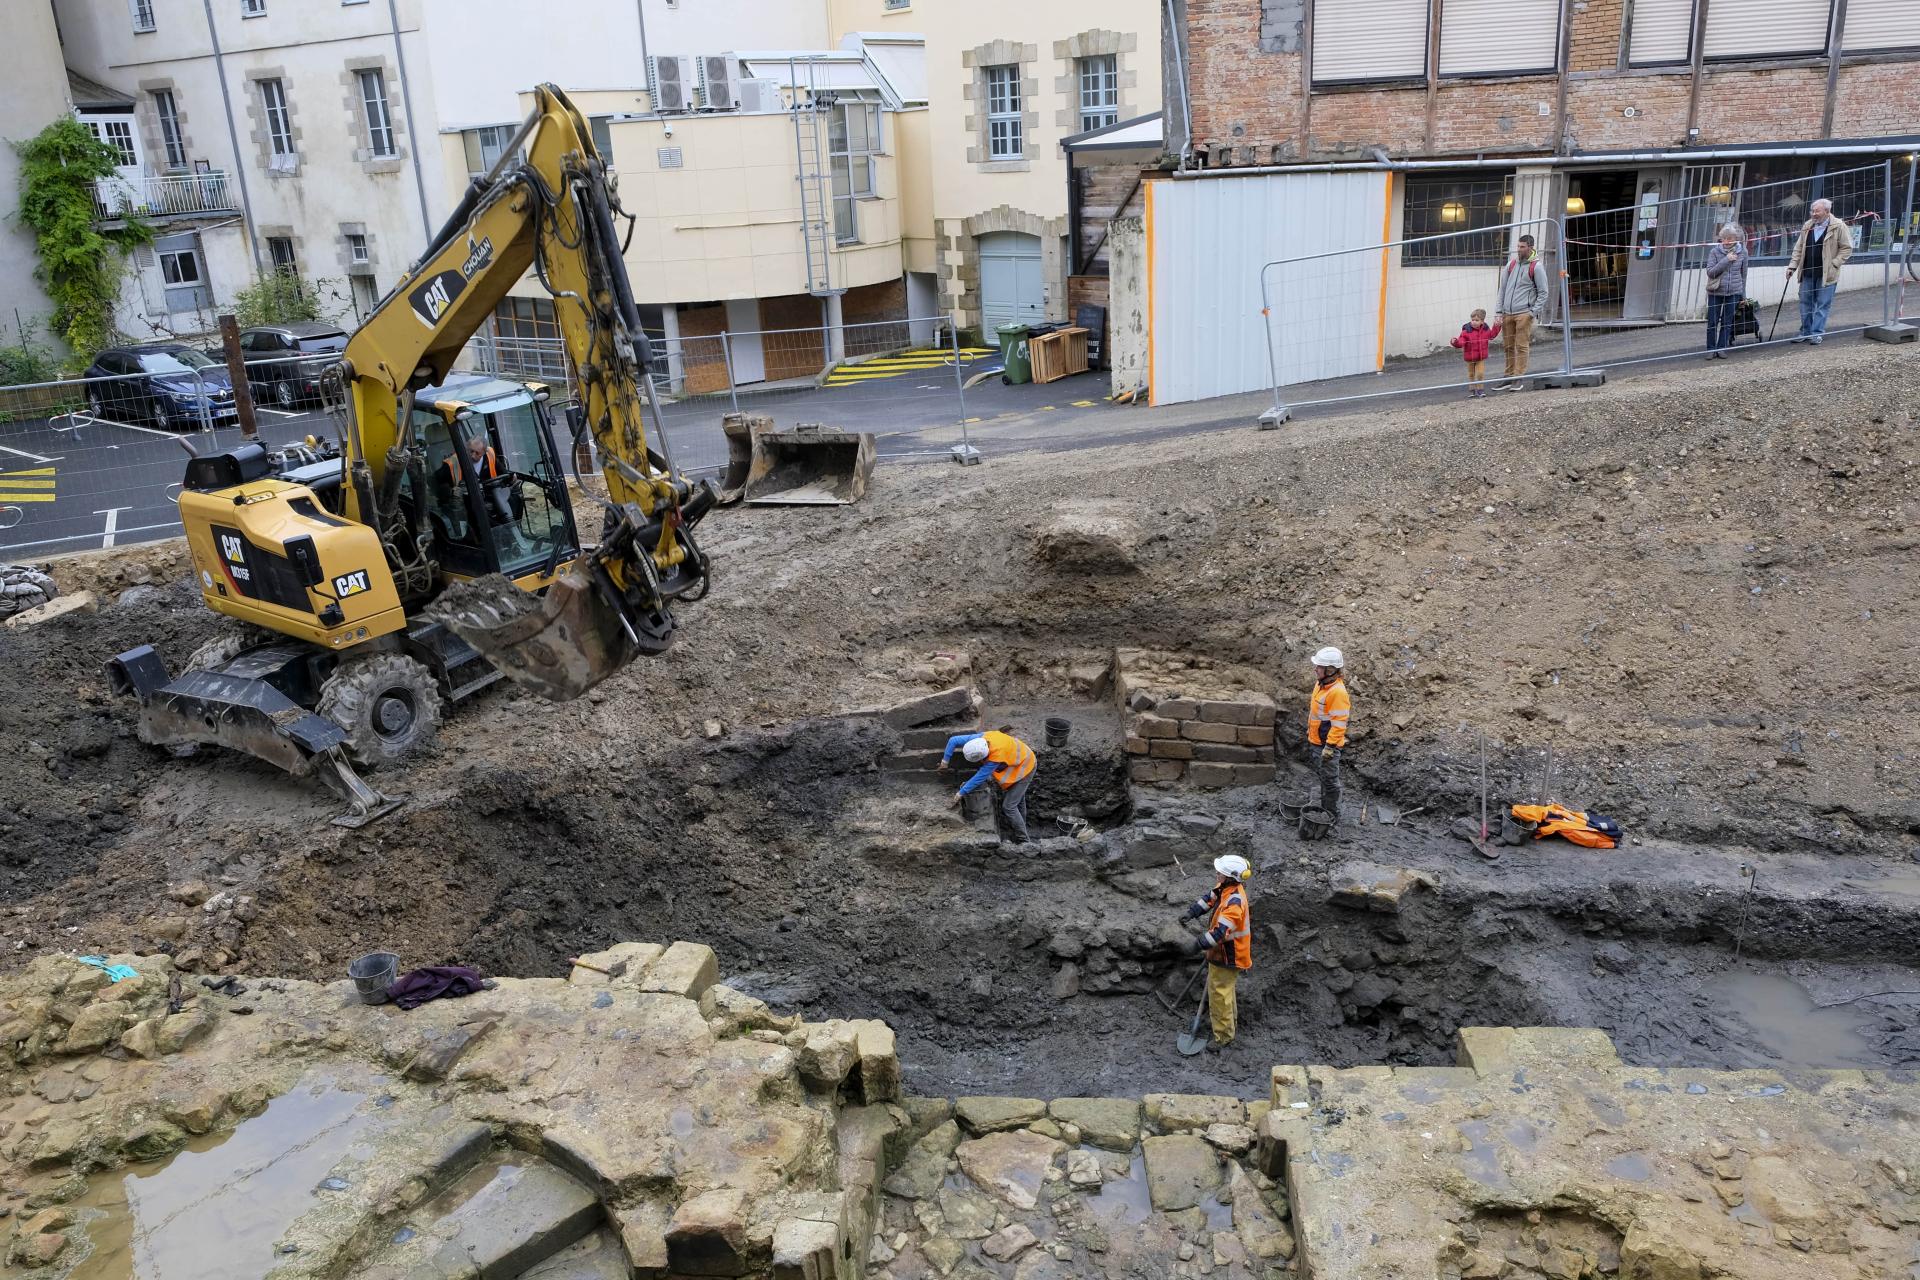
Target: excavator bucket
808 466
234 707
559 644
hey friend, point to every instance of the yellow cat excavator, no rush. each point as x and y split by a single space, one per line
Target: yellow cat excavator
436 550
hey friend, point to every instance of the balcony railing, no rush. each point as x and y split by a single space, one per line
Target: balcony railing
169 195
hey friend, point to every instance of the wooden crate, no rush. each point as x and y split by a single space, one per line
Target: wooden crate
1058 354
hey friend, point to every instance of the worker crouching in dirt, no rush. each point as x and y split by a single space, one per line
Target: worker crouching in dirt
1327 713
1228 941
1009 761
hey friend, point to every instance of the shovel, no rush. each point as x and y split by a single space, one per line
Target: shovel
1480 845
1170 1002
1194 1039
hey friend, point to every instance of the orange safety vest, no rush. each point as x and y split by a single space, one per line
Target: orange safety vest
1014 757
1558 820
456 471
1236 951
1329 707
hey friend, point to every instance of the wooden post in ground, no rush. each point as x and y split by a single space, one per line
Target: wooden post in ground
237 370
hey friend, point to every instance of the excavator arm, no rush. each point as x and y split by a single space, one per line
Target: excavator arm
548 206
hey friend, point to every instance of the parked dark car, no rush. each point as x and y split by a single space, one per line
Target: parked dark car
168 384
275 370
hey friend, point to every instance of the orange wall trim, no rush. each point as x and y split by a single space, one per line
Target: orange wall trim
1386 234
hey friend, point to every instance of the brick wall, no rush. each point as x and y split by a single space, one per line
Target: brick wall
1762 106
702 359
1251 106
1594 43
1352 123
1495 117
1597 119
1877 99
792 355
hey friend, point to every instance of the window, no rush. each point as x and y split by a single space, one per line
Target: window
1356 40
602 138
1661 34
180 267
1788 28
253 8
169 115
1099 92
853 138
1499 37
484 147
280 249
373 95
899 4
142 14
273 97
1443 204
1004 127
357 249
1880 24
117 134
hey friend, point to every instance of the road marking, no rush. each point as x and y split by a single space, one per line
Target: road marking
22 453
282 413
969 419
35 485
113 522
89 537
109 422
1048 408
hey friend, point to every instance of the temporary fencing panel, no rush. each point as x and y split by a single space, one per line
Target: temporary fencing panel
1206 242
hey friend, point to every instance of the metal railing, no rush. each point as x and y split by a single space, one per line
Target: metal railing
165 195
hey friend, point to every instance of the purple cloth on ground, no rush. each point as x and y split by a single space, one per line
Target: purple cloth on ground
411 990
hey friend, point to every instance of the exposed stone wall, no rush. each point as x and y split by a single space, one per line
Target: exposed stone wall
1189 721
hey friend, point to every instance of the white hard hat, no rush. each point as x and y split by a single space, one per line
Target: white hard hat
1329 657
975 751
1232 864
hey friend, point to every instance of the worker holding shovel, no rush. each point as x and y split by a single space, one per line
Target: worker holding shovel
1227 943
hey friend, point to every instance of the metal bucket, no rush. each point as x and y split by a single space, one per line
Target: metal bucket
1058 727
372 974
1513 832
1293 804
976 803
1315 824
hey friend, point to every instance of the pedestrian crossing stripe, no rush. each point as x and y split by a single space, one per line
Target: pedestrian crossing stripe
35 485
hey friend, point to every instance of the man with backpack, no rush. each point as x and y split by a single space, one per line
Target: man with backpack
1523 300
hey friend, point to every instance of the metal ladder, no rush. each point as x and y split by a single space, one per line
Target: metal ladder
816 184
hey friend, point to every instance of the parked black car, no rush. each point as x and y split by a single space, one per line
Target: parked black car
168 384
275 370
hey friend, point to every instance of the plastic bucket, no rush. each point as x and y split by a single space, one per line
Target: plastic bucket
372 974
1315 824
1058 727
1293 804
976 803
1513 832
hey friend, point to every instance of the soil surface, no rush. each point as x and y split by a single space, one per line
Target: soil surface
1695 590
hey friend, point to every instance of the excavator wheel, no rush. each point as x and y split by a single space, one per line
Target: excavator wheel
388 704
226 646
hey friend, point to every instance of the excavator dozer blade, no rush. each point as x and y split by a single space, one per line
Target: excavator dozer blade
808 466
559 644
234 709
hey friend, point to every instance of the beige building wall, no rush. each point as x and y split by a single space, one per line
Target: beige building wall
913 133
35 96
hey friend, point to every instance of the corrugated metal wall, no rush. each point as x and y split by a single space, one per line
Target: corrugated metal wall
1208 242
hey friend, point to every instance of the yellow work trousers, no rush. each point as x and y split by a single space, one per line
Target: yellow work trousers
1516 332
1220 982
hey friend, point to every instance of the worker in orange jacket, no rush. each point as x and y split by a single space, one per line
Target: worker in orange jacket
1328 711
1228 942
1009 761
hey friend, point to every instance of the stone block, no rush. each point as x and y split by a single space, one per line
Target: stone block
1254 735
709 1236
1135 746
96 1025
179 1030
807 1249
992 1115
1224 753
925 710
1171 749
1491 1050
1252 775
1211 775
1009 1243
1179 708
642 1229
1156 770
877 1060
1182 1170
436 1058
1156 727
1110 1123
825 1053
1191 1112
1279 1134
1205 731
1373 887
925 1167
595 1256
1248 708
60 607
684 969
1011 1166
625 962
731 1013
523 1215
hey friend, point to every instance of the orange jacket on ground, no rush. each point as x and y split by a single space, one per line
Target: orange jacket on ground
1558 820
1327 714
1230 928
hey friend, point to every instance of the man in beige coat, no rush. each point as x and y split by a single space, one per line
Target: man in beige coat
1824 246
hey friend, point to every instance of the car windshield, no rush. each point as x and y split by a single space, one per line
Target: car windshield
327 342
182 360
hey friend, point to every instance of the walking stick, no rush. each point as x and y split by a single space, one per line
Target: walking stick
1785 284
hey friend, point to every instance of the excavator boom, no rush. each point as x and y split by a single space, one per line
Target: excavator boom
549 206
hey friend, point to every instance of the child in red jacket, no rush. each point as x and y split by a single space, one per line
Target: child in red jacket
1476 335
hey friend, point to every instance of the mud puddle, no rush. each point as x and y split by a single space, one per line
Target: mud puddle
215 1210
1788 1027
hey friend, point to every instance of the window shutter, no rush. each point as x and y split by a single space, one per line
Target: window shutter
1881 24
1662 32
1485 37
1369 40
1767 28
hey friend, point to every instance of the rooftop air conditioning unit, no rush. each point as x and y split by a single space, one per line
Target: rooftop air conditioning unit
671 80
761 96
720 82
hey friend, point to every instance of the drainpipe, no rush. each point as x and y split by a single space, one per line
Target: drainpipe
1173 12
406 90
646 63
233 138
